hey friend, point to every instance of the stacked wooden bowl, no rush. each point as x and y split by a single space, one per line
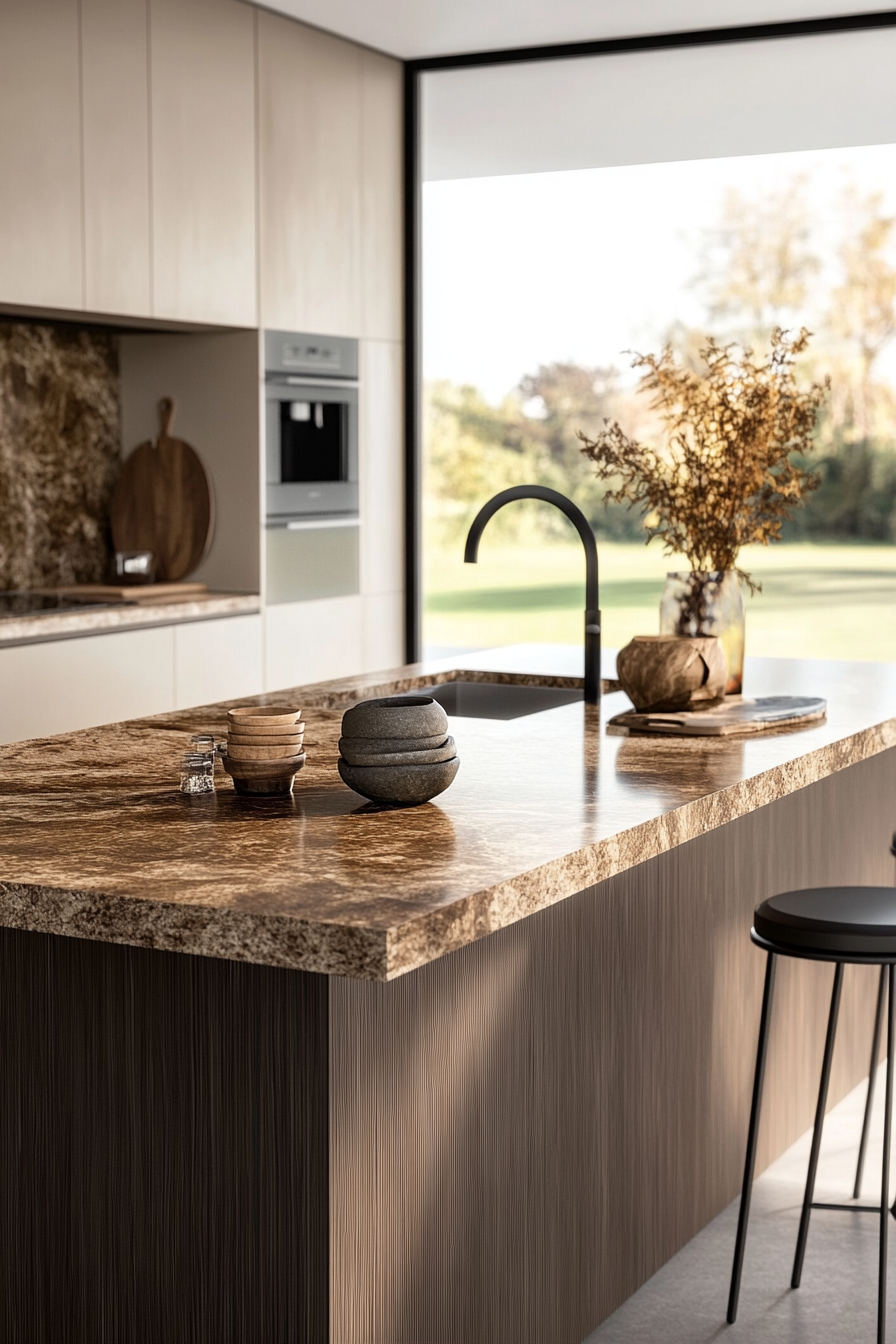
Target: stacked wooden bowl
264 749
397 750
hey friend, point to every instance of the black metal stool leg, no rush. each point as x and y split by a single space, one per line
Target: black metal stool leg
885 1174
872 1075
752 1135
819 1125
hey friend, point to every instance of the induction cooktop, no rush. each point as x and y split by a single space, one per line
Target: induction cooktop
14 604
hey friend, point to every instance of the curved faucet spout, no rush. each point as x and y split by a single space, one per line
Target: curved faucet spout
583 527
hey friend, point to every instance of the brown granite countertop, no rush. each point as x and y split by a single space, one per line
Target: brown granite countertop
96 842
96 620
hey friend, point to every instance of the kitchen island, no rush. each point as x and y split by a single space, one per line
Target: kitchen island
312 1070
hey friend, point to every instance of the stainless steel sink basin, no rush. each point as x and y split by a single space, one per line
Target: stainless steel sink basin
486 700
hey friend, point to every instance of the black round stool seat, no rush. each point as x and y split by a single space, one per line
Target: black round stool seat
842 921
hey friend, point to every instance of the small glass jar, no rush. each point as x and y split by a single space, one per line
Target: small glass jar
203 744
197 773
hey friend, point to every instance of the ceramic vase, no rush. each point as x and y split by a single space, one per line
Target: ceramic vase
670 672
707 602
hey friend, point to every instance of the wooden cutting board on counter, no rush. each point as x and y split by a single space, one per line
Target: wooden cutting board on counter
734 717
144 594
164 503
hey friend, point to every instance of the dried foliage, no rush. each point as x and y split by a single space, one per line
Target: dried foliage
729 473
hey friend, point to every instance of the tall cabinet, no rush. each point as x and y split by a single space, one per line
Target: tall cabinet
330 254
41 238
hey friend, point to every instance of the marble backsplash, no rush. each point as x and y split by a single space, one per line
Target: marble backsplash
60 453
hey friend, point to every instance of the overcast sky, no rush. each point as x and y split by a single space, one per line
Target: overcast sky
585 265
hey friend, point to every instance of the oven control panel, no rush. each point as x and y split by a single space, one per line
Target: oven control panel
289 352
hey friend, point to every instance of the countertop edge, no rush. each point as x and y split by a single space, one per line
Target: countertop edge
44 628
504 904
229 935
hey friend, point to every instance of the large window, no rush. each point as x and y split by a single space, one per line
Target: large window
697 193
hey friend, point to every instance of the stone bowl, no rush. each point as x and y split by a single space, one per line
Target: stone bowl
405 716
262 779
376 745
425 756
403 784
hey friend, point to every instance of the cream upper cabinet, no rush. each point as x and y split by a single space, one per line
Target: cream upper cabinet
310 135
382 150
115 92
202 98
40 154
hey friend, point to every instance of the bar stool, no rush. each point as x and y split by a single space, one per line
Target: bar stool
842 925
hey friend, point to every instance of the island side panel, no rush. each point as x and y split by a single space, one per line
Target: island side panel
523 1132
164 1148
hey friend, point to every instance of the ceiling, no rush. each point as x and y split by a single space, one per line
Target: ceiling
418 28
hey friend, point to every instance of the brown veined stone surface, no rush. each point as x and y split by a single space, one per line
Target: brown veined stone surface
59 454
96 841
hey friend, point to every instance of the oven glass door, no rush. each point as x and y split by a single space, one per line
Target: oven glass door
313 441
312 451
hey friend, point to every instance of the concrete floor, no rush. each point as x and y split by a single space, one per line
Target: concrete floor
685 1303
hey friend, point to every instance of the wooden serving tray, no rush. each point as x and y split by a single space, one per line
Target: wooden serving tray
734 717
146 594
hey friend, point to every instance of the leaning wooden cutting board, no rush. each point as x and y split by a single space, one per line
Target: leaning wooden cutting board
164 503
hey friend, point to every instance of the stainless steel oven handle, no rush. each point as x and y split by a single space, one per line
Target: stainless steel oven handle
295 380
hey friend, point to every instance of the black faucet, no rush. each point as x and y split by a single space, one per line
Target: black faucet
583 527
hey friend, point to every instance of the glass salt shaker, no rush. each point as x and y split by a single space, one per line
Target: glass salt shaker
197 773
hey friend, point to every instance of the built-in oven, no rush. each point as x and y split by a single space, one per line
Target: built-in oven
311 431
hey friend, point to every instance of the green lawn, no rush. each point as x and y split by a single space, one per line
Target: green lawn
816 601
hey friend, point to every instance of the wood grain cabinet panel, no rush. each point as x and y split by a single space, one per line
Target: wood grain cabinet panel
310 178
202 92
40 154
381 200
114 68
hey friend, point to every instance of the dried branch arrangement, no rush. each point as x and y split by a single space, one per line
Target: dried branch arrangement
726 475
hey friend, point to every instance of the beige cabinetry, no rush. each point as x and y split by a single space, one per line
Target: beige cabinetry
127 154
330 253
217 660
63 685
208 162
40 154
310 103
330 187
140 140
115 94
382 188
202 99
312 641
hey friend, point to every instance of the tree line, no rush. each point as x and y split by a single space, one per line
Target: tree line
762 264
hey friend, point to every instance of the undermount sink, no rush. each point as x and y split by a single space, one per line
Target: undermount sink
486 700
